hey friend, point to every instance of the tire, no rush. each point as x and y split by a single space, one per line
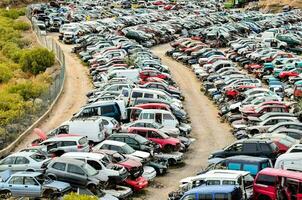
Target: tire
254 132
49 194
171 162
263 197
92 188
29 170
5 194
168 148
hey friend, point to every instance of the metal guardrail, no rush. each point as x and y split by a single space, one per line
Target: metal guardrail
48 99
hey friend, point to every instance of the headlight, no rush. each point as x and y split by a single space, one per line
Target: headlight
210 156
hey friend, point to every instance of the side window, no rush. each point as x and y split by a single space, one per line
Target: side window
250 147
21 160
234 166
8 161
107 109
119 139
152 134
250 168
158 118
213 182
142 133
235 148
68 143
205 197
151 96
137 95
16 180
59 166
30 181
75 169
115 148
265 147
168 117
105 146
94 164
131 141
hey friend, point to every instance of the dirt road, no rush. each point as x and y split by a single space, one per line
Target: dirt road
209 133
76 86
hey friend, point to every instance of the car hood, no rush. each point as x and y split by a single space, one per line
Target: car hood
141 154
129 163
58 185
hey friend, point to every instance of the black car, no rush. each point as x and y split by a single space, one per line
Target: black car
249 147
137 142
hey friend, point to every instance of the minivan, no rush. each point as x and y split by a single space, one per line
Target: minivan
91 127
245 163
114 109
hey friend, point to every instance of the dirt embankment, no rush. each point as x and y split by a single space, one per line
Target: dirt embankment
277 5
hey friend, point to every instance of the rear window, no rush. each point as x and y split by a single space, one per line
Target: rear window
266 180
137 95
296 150
251 168
83 140
234 166
38 157
221 196
107 109
68 143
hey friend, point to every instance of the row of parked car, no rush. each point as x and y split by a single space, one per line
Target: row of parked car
264 163
132 129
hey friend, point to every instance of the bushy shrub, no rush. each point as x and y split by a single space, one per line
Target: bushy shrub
22 26
73 196
28 89
13 13
12 51
5 73
36 60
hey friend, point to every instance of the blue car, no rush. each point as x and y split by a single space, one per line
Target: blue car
30 184
212 192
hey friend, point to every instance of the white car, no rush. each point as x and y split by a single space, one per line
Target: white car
24 161
124 149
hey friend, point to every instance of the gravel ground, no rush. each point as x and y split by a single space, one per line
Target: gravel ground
209 132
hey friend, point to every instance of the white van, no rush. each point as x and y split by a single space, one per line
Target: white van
131 74
289 161
131 95
91 127
163 117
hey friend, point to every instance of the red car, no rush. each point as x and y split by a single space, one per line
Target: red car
166 143
264 109
275 184
291 73
134 167
266 103
153 73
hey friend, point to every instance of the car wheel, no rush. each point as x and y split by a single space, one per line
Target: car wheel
171 162
92 188
168 148
50 194
5 194
254 132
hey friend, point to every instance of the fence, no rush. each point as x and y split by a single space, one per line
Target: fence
25 125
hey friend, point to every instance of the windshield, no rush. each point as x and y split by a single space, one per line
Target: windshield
162 134
106 161
43 179
141 139
38 157
127 149
89 170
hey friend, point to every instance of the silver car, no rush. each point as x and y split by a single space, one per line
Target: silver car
24 161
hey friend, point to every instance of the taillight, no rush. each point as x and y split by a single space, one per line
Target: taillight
80 146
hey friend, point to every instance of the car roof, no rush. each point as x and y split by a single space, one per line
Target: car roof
68 161
280 172
31 174
83 155
247 158
254 140
212 189
113 142
22 153
67 138
155 111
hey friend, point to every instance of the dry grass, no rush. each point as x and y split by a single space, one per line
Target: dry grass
277 5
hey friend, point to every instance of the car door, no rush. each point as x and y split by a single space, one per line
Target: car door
59 169
7 163
21 164
154 137
168 120
250 149
76 175
32 187
16 186
133 143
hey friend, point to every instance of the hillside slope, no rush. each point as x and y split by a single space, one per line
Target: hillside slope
276 5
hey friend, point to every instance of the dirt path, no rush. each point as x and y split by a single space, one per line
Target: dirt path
76 86
209 133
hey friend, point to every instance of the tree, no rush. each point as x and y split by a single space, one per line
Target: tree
36 60
5 73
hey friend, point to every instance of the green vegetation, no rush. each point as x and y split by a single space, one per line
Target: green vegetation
22 77
73 196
